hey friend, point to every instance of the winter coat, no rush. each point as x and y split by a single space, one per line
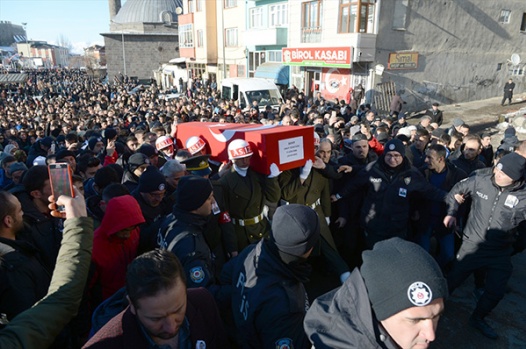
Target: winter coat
343 319
386 208
111 254
202 322
38 326
494 211
268 300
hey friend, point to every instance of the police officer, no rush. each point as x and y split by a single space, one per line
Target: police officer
219 230
389 184
245 194
498 205
269 300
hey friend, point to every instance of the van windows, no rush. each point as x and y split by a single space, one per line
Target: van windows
226 92
263 97
235 94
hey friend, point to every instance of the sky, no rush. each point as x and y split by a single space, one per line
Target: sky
78 21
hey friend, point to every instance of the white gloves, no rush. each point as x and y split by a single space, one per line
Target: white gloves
274 171
305 170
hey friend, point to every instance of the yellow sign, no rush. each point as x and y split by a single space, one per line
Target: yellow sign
403 60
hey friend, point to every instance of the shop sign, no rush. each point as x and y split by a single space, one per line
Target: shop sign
336 57
402 60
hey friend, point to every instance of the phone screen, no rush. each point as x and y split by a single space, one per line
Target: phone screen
60 179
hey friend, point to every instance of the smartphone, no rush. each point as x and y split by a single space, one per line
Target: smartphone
61 181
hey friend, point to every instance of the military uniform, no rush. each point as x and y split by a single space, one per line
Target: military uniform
315 193
245 197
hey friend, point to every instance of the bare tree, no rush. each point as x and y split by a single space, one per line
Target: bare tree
63 41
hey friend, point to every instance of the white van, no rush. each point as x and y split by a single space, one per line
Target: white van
247 90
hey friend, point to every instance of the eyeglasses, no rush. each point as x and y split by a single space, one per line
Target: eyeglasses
393 156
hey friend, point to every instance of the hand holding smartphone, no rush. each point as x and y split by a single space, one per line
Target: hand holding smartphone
61 182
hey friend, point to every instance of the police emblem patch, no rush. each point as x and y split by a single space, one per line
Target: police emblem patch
419 294
197 275
407 180
162 186
392 146
284 343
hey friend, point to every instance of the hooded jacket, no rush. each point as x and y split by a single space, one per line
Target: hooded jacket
343 319
111 254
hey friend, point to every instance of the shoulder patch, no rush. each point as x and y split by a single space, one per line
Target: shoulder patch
284 343
197 275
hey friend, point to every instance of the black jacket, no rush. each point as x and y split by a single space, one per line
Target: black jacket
343 319
468 166
386 208
494 211
268 299
23 279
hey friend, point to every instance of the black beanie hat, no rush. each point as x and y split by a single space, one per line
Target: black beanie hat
512 165
109 133
395 145
92 141
137 160
295 229
399 275
192 192
151 180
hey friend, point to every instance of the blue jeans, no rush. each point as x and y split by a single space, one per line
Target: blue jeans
446 245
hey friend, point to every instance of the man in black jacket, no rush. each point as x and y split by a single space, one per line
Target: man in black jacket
435 114
444 175
268 297
498 206
390 184
508 92
394 301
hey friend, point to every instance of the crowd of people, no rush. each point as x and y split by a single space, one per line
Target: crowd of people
191 252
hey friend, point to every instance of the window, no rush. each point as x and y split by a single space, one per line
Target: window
518 70
186 36
356 16
230 3
311 21
523 23
278 15
231 37
199 5
400 14
256 17
505 16
200 40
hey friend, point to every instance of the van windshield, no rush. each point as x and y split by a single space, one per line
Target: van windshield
263 97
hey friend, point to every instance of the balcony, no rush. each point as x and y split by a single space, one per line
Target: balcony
267 36
311 34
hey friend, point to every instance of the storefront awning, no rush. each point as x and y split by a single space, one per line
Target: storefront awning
277 72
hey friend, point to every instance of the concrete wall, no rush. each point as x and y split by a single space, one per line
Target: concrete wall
144 53
460 44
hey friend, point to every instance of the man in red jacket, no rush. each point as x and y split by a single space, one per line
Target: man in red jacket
115 246
162 312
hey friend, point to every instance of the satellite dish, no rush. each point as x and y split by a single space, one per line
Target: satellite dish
515 59
178 10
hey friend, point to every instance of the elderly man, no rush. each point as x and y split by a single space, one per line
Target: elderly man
393 301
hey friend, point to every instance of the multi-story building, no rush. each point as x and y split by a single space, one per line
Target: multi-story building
95 55
11 33
41 54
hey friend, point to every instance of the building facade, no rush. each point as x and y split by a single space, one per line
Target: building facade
143 35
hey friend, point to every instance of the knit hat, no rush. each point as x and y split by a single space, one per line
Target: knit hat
93 141
17 166
295 229
399 275
62 153
147 149
192 192
109 133
46 141
512 165
395 145
137 160
151 180
510 131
